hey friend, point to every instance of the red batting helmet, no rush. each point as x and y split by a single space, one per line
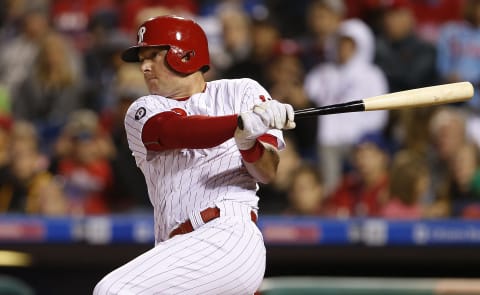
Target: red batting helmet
187 42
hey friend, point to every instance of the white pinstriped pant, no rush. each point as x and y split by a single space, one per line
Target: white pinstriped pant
224 256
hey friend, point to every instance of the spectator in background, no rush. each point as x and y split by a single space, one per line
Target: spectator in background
273 196
364 190
408 129
83 158
305 192
72 18
132 12
407 61
9 16
352 76
409 183
28 186
17 56
323 20
236 37
102 61
265 37
130 190
429 14
5 159
285 77
54 87
458 50
464 184
5 131
291 15
448 134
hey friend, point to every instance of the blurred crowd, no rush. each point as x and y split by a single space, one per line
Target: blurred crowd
64 91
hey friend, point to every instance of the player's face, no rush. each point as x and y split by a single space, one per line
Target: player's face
160 79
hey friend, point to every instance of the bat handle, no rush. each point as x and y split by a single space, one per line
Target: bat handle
240 122
346 107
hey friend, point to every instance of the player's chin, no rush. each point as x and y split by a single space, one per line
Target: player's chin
153 88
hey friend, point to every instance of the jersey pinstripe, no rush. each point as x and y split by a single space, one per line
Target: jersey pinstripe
183 182
193 264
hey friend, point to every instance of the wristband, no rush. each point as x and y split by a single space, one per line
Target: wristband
254 153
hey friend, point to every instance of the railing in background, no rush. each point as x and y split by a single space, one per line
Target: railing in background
277 230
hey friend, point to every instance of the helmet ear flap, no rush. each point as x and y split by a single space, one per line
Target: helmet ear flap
180 60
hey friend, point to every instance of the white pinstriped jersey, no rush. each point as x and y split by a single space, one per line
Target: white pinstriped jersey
183 182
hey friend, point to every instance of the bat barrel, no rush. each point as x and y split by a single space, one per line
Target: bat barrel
420 97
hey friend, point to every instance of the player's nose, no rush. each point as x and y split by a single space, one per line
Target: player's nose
146 66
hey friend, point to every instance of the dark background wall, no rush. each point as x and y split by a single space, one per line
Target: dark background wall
75 268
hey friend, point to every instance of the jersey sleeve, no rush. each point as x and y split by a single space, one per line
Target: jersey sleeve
253 94
137 115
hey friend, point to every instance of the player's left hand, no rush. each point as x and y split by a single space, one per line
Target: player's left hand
276 114
253 126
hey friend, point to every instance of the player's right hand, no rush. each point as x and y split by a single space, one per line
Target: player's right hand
276 114
253 126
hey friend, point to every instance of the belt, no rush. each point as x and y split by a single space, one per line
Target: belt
207 215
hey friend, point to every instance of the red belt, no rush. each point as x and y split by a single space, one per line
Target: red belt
207 215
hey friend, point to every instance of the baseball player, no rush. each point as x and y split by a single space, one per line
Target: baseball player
201 169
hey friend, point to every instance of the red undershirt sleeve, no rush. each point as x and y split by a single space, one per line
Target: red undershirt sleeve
170 130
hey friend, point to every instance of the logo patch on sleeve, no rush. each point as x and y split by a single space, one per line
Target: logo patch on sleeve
141 112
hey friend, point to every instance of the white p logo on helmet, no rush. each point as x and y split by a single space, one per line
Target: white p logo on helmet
140 34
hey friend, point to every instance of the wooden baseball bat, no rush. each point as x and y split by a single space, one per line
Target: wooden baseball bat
418 97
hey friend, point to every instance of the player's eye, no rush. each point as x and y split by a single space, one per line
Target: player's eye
149 56
152 55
